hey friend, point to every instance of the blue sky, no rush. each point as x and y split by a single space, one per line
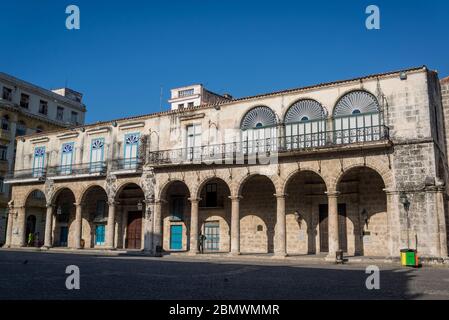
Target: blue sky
126 50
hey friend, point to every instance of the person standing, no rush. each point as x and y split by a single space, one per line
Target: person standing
201 239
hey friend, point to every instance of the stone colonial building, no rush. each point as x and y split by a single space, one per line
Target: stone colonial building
24 109
358 165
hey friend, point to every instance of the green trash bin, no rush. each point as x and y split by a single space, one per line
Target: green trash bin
409 258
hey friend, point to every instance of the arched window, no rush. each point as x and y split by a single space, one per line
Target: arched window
305 125
21 129
357 118
259 130
5 123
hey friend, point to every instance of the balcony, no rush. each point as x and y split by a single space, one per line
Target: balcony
75 171
126 166
238 152
26 176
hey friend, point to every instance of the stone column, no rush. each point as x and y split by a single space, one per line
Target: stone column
48 226
334 243
110 228
235 225
281 232
194 226
148 227
394 222
157 224
9 227
442 231
22 219
78 225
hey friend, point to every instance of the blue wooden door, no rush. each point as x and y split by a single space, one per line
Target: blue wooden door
176 237
99 235
63 236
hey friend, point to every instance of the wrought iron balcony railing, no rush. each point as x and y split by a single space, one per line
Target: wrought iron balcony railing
36 173
98 168
267 146
133 164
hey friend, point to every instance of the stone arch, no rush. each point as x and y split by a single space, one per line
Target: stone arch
385 173
257 214
362 190
291 175
197 188
166 185
125 184
236 188
29 193
84 192
305 192
58 191
64 229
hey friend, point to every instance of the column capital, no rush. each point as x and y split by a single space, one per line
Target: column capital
280 195
113 203
78 204
194 199
391 192
160 201
149 201
235 198
332 194
50 205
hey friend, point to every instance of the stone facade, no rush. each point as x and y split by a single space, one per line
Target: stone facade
368 189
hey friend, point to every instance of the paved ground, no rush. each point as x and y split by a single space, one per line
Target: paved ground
37 275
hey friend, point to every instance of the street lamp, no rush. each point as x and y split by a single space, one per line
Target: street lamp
406 203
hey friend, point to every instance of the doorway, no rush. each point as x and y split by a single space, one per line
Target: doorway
134 230
63 236
212 233
100 235
176 237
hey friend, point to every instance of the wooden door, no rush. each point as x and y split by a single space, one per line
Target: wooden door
134 230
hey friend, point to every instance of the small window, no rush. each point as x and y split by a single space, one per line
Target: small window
21 129
7 94
259 227
60 113
3 153
211 195
43 107
100 211
177 208
190 105
74 117
24 101
185 93
181 106
5 123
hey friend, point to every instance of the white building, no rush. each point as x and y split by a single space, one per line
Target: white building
194 96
